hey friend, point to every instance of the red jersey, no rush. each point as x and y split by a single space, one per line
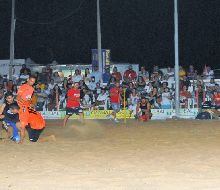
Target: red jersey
117 76
216 99
130 74
115 95
73 98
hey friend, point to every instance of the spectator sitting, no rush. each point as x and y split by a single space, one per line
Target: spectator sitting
141 83
184 96
51 84
2 96
25 70
1 80
143 73
96 74
170 74
42 95
77 76
158 103
14 90
9 85
166 99
87 76
208 73
56 78
97 89
49 71
191 74
216 99
148 88
23 77
116 74
182 73
43 76
92 84
130 74
153 95
102 99
133 102
87 100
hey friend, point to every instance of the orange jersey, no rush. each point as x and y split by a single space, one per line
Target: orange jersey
25 93
23 98
36 121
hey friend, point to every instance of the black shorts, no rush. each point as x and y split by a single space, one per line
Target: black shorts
71 111
34 134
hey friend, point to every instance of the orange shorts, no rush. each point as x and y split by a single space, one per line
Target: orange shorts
24 116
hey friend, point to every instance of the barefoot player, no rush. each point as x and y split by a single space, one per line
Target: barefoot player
24 95
73 103
115 98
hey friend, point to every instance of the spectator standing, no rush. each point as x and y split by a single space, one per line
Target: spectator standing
106 76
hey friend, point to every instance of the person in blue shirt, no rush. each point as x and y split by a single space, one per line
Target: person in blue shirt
106 75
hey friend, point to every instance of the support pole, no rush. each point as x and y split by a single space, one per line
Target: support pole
12 38
176 45
99 38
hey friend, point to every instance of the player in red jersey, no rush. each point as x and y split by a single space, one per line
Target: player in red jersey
73 103
115 98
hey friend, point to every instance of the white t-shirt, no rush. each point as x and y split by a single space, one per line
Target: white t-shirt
51 86
92 86
165 98
77 78
97 75
102 97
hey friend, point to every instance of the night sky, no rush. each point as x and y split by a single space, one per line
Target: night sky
136 31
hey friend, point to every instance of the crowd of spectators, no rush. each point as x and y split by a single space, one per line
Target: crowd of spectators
157 85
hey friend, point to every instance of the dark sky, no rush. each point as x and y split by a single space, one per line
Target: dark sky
137 31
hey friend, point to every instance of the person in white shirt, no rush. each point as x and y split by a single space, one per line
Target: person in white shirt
51 84
97 74
208 73
77 76
166 99
148 88
133 102
92 84
102 99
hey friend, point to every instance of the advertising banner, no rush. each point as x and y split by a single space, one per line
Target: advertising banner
157 114
106 57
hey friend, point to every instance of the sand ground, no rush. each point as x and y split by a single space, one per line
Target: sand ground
158 155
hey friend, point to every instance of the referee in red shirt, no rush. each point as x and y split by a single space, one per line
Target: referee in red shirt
73 103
